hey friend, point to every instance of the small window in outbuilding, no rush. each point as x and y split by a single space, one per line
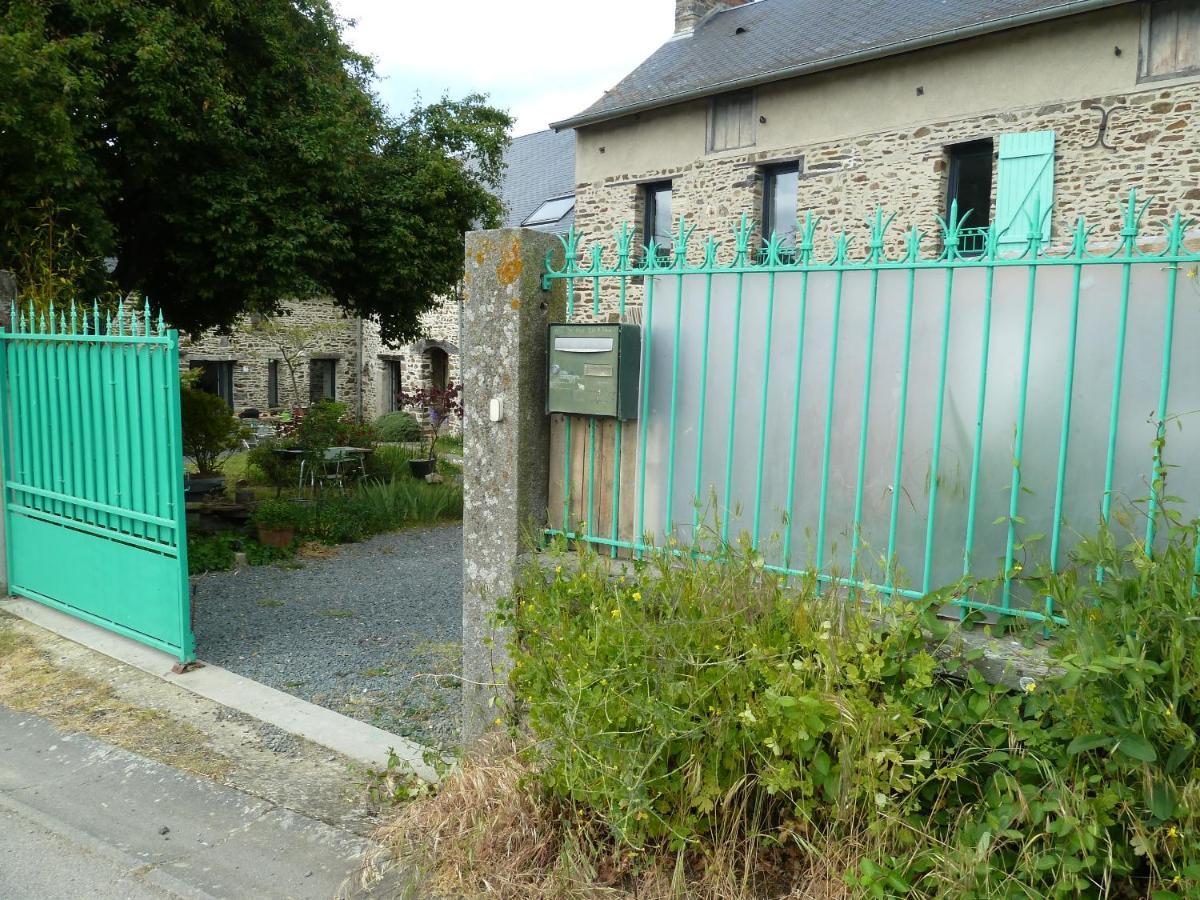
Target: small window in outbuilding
658 225
272 383
731 121
551 211
1170 39
322 380
781 184
970 184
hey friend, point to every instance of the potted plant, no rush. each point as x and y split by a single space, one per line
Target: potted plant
210 435
440 404
275 521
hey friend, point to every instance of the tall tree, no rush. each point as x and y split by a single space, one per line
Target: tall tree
233 155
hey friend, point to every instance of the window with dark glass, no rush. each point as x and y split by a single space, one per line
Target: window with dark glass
439 368
1170 39
395 373
216 378
322 380
970 183
658 225
781 184
273 383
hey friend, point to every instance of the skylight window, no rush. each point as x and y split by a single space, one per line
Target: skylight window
551 211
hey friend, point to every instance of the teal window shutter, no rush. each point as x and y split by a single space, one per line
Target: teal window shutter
1024 188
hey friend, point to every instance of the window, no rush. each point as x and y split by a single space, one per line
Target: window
322 380
731 121
970 184
1170 39
395 383
216 378
1024 189
550 212
439 368
658 225
781 183
272 384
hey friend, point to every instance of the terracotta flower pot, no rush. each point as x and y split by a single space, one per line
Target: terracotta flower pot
276 537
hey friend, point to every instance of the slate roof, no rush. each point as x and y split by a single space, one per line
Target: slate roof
540 166
784 38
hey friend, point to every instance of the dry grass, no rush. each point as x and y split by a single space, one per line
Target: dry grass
487 832
30 682
316 550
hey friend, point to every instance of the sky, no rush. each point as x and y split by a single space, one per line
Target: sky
542 60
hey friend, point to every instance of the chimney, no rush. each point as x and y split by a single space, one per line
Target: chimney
690 13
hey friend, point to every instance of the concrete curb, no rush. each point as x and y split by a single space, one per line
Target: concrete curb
357 740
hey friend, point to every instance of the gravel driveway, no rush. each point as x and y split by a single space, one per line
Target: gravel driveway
359 632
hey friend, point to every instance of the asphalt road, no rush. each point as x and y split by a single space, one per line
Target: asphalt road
80 818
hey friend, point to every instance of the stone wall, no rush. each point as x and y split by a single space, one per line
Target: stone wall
440 331
251 349
1154 136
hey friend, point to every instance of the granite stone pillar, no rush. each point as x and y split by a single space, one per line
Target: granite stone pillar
506 441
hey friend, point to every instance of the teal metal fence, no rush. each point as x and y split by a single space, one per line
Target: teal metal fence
93 470
887 421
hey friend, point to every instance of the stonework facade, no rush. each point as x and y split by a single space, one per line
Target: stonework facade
245 357
880 135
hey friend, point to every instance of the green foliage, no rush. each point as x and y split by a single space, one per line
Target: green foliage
210 553
263 168
263 555
272 468
373 507
330 424
210 432
398 426
695 698
388 463
404 501
277 515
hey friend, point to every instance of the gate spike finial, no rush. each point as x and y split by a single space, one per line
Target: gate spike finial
120 316
95 316
74 317
148 317
51 316
12 313
162 326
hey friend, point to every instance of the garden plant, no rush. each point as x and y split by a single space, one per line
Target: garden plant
693 725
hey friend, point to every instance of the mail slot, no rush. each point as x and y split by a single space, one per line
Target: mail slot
594 370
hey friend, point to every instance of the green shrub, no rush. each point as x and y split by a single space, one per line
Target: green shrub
398 426
329 424
210 553
387 463
695 699
271 468
210 432
406 501
263 555
280 515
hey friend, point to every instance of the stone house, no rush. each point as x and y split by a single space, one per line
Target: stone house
1051 109
318 352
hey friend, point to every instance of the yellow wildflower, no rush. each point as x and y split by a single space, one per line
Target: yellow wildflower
1172 832
637 596
1030 687
499 722
616 613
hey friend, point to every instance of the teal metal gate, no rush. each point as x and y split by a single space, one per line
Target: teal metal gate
93 471
891 420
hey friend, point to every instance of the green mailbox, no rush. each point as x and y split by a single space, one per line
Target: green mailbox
594 370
